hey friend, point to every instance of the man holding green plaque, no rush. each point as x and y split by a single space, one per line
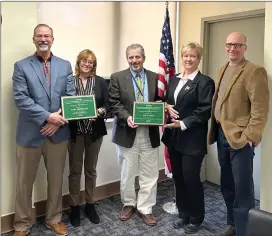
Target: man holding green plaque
137 145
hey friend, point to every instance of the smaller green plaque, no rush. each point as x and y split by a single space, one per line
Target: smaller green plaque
148 113
78 107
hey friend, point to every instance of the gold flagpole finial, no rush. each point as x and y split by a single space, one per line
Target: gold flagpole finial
166 4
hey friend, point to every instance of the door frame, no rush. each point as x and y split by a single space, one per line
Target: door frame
204 39
205 29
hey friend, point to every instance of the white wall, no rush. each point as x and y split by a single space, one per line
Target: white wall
141 22
107 28
266 177
19 20
81 25
93 25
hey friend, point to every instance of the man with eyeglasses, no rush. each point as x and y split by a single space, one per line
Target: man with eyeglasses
39 81
239 115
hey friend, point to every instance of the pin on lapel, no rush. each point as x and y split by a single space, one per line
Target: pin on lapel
187 88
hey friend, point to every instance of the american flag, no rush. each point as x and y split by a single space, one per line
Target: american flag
167 61
166 71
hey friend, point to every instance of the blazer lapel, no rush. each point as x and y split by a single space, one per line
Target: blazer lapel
217 84
129 85
235 76
171 90
38 68
151 80
188 86
220 76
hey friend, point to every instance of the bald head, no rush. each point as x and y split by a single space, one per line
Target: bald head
235 47
237 36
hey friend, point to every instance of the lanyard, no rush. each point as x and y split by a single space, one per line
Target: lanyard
138 87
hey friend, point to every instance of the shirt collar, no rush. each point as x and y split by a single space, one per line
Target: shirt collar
241 63
191 76
41 59
135 73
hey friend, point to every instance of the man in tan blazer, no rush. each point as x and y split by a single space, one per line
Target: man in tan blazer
239 114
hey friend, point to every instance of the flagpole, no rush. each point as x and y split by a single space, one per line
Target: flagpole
177 36
170 207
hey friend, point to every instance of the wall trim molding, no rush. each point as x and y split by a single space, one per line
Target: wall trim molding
101 192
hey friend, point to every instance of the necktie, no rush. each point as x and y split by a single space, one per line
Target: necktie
46 67
140 92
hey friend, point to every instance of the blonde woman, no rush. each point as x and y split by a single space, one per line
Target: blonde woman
86 136
189 99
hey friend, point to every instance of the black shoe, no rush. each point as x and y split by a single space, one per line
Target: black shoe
75 216
180 223
91 213
191 228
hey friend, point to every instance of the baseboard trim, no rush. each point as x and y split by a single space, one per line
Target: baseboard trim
101 192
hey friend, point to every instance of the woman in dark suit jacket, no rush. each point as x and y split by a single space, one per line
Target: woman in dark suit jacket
86 135
189 101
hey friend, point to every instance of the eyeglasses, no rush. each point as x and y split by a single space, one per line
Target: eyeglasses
235 45
39 36
84 62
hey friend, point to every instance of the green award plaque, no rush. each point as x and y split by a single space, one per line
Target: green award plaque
78 107
148 113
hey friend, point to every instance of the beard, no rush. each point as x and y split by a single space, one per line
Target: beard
43 47
136 67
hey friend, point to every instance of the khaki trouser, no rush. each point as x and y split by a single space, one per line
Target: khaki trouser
140 159
76 150
27 165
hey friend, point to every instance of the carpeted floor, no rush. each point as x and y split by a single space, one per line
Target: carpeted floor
108 210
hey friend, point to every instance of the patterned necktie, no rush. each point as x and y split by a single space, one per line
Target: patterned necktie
46 68
140 97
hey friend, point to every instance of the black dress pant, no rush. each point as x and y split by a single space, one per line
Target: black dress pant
189 190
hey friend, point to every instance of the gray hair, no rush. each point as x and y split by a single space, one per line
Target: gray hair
135 46
43 25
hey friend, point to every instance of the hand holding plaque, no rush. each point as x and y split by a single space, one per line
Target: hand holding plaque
131 123
148 113
56 119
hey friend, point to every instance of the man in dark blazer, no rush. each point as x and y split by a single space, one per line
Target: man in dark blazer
39 81
137 146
